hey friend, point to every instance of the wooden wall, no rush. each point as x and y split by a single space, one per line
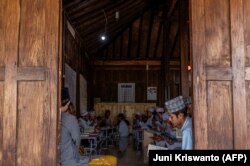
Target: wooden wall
220 49
29 74
78 60
107 76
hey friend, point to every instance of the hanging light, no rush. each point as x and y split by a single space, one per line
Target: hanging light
117 15
103 36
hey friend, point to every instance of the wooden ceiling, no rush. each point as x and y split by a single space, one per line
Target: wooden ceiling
138 33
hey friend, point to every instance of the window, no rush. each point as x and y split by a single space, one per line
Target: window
126 92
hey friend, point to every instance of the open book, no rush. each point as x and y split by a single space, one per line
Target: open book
154 147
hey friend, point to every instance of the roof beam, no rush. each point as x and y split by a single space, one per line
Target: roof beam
133 62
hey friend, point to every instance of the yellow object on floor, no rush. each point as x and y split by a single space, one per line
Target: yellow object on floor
105 160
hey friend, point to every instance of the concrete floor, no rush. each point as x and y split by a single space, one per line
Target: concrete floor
131 157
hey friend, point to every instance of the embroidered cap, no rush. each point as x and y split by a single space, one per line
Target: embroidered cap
175 104
187 100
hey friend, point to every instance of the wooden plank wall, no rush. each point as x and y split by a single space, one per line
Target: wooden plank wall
220 50
29 54
74 55
106 79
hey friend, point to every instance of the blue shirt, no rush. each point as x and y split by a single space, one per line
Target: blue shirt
187 135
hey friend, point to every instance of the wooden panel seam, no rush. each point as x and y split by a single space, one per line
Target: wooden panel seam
247 73
2 73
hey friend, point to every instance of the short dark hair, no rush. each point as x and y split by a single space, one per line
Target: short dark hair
184 111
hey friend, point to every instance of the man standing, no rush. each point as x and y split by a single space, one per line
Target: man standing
179 118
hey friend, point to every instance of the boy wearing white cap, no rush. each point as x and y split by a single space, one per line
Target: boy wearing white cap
158 116
151 112
178 117
123 133
137 120
83 120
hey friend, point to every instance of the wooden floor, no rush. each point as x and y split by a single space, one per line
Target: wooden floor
130 158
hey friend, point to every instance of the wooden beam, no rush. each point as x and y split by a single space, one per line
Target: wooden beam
123 68
2 73
121 45
92 26
129 41
175 42
10 35
133 62
89 10
139 36
224 73
184 47
151 21
72 3
120 30
219 73
172 8
158 39
31 73
113 49
199 80
96 13
82 6
238 67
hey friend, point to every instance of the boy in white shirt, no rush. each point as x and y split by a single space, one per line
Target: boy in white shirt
123 133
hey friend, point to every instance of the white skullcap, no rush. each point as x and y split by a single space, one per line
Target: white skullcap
151 109
138 113
159 109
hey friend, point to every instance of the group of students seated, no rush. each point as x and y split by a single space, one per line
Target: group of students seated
70 135
175 115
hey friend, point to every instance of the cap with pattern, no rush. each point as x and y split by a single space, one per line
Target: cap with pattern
187 100
175 104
